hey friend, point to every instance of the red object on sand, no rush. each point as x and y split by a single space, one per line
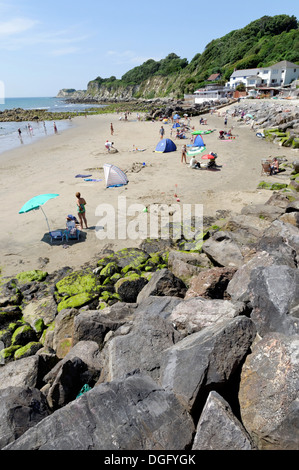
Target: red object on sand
208 156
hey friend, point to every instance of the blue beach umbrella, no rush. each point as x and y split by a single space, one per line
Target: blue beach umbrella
176 116
37 203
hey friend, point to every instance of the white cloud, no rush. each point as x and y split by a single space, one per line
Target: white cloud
129 57
65 51
16 26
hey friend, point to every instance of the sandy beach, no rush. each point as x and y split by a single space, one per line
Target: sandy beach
51 164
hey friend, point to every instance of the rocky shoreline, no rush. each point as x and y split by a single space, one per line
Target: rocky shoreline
154 348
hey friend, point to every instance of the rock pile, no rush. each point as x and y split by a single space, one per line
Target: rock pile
278 123
158 348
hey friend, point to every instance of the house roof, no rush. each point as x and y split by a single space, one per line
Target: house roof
244 73
214 76
285 64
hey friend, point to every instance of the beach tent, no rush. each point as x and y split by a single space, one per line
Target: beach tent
114 176
176 124
198 141
176 116
165 145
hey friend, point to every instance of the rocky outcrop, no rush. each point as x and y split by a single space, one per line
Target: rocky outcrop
204 362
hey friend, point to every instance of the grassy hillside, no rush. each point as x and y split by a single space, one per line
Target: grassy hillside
261 43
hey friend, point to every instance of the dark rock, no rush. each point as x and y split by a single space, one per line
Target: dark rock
212 354
163 283
20 409
230 435
133 414
139 349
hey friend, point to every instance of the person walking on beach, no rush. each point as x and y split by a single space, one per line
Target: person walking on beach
55 128
184 151
81 203
162 132
111 128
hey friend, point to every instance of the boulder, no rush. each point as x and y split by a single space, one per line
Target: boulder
139 349
20 409
194 314
129 414
230 435
263 211
129 287
212 354
237 287
211 283
163 283
185 265
222 250
268 392
22 373
63 332
44 308
67 384
274 297
94 325
87 351
158 305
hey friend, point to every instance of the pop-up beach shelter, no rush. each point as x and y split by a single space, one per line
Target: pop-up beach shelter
198 141
165 145
114 176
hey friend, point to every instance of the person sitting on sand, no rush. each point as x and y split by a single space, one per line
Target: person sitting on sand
194 163
81 203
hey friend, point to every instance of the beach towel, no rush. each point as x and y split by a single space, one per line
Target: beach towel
92 179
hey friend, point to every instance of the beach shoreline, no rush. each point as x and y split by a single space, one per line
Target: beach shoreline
51 164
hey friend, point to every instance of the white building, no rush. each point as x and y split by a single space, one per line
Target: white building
211 93
280 74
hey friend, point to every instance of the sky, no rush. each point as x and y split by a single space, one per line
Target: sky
49 45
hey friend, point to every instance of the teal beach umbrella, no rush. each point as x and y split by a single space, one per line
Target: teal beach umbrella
36 203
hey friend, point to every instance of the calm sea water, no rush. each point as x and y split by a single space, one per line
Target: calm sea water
32 131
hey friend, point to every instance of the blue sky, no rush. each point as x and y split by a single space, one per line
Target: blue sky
48 45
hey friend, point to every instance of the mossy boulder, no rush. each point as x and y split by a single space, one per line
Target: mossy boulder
7 354
30 276
131 257
44 309
22 335
77 301
7 332
129 287
28 350
79 282
109 270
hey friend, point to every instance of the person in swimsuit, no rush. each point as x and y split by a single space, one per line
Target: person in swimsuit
81 203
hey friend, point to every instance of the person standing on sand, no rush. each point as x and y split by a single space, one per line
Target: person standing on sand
162 132
81 203
55 128
111 128
184 150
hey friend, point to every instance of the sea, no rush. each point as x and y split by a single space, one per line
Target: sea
10 137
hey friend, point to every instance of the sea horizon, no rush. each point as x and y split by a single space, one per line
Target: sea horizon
11 137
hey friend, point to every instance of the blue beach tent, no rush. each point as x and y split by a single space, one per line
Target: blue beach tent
198 141
165 145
